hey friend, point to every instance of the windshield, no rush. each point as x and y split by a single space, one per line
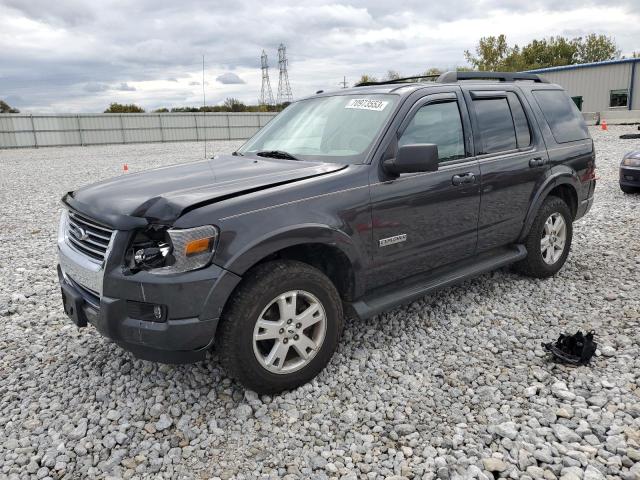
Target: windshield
340 129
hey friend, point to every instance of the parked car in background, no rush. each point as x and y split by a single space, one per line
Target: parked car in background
351 201
630 172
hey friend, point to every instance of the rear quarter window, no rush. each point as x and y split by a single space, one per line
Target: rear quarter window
562 115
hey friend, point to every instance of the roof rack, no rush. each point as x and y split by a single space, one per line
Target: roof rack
431 78
452 77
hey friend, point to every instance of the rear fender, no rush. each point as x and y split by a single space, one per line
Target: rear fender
563 176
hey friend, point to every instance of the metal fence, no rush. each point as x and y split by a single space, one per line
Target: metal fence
19 130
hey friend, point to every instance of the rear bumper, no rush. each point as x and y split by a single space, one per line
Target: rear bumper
630 176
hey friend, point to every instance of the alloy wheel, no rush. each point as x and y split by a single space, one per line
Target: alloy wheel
289 332
554 238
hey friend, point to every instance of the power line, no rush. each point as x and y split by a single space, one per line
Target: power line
284 89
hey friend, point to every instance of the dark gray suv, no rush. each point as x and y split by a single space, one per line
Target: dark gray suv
347 203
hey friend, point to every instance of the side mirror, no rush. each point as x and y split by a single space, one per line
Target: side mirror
413 158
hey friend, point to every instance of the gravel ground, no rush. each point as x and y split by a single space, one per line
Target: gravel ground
452 386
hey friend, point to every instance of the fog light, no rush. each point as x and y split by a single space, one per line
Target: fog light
148 312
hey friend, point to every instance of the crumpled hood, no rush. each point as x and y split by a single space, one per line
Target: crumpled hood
161 195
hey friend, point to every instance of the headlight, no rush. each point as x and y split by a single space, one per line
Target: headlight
631 162
165 251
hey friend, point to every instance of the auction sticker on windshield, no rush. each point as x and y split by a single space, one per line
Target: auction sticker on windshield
366 104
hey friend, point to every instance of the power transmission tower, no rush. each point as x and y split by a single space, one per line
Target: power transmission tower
266 95
284 89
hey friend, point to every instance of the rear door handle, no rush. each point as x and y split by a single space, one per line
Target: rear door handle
536 162
463 178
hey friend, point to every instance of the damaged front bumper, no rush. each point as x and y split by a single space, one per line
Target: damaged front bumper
164 318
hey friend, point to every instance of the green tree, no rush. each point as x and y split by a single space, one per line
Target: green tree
495 54
366 78
596 48
234 105
161 110
392 75
5 108
491 53
551 52
120 108
433 71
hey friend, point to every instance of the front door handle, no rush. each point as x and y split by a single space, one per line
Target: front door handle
463 178
536 162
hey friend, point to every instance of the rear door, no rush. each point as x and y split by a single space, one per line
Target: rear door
425 220
512 158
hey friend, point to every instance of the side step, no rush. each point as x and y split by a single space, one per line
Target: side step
385 298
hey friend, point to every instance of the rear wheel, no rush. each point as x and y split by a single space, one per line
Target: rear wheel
627 189
549 240
281 327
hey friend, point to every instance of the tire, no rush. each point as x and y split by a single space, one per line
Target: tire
542 265
629 190
271 292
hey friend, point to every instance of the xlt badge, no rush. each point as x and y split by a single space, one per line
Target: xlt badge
391 240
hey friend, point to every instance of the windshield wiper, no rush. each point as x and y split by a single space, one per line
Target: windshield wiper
276 154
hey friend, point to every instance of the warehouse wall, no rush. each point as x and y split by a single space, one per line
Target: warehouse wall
594 84
98 129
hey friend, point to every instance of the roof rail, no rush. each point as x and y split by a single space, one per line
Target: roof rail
452 77
431 78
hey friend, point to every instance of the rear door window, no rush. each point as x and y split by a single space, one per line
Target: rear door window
562 115
496 125
523 131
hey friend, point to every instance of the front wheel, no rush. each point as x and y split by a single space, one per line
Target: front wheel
549 240
281 327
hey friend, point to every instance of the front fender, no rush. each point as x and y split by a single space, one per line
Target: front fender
292 236
558 177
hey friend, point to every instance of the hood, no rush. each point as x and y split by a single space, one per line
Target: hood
161 195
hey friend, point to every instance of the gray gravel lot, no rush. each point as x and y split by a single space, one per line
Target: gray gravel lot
452 386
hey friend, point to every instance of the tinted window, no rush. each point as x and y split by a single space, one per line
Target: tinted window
523 132
618 98
438 123
496 125
562 115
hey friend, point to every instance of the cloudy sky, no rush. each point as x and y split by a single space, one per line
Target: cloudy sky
78 56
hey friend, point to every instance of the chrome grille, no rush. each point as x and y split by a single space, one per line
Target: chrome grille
87 236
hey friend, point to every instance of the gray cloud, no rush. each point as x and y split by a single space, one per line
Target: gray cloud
125 87
229 78
75 54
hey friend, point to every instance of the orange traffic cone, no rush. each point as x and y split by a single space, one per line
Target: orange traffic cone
603 125
125 168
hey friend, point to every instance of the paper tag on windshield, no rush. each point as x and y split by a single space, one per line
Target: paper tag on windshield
366 104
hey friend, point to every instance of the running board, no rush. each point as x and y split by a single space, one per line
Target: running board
381 299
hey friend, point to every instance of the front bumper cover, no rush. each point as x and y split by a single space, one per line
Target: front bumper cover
99 294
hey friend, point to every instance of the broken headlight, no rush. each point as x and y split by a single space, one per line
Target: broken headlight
161 250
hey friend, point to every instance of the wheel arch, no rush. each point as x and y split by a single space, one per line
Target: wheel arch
330 250
564 185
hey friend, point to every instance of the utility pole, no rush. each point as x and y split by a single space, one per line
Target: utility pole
266 95
284 89
343 82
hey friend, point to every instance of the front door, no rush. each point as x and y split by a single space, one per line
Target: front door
422 221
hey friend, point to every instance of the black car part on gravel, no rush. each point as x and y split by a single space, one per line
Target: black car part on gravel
574 349
630 136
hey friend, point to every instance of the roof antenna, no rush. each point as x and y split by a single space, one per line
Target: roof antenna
204 113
